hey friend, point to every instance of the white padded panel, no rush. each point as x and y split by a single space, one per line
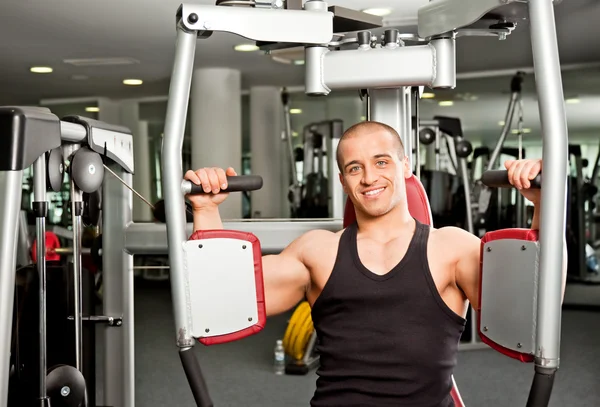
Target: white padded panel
509 293
221 286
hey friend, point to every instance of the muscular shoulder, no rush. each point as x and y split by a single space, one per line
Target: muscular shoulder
315 244
320 239
317 239
455 241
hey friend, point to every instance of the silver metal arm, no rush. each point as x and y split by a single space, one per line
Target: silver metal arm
172 169
430 65
553 200
291 26
72 132
443 16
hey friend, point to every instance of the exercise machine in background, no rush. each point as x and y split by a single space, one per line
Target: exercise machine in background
493 207
317 192
583 288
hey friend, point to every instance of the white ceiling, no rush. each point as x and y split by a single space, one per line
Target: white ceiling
49 32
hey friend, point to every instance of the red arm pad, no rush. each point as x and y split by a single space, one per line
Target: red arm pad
260 289
513 233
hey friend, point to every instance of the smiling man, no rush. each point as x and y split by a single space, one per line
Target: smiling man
389 294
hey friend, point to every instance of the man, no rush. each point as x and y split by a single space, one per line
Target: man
389 295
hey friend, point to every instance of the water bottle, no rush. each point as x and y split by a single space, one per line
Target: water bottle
279 362
591 260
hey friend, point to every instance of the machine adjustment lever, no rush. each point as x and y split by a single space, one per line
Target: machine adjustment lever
111 321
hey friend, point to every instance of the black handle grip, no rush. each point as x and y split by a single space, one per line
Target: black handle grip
192 370
238 183
499 179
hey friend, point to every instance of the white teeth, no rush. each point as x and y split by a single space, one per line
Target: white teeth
374 192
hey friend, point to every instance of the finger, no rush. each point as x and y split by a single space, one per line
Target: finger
214 180
192 177
230 172
222 178
511 170
526 172
516 175
204 179
536 168
508 163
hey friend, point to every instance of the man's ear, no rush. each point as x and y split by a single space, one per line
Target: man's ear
343 183
407 169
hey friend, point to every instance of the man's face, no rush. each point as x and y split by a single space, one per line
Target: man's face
372 171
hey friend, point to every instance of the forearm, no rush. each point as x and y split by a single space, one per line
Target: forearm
207 218
535 221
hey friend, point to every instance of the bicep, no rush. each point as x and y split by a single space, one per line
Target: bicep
468 269
286 279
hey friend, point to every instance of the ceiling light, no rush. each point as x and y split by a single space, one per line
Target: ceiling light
427 95
446 103
299 62
295 111
246 47
525 131
501 123
363 118
40 69
378 11
92 109
133 82
295 134
572 101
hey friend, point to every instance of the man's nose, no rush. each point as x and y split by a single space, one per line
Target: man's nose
369 176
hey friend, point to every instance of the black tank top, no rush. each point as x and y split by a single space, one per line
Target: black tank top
384 340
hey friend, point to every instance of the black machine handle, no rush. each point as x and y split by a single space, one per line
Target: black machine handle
195 378
239 183
499 179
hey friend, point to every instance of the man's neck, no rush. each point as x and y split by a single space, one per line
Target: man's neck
383 227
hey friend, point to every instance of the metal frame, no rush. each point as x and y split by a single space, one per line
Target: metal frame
553 207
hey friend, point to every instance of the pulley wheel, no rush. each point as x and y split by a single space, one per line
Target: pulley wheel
426 136
87 170
463 149
65 386
55 170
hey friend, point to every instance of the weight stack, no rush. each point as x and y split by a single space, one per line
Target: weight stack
60 340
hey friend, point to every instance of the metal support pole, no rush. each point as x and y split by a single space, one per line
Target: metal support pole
416 135
179 93
553 200
76 212
10 204
117 278
389 106
508 118
40 208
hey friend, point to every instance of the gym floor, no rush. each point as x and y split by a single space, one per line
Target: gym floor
240 373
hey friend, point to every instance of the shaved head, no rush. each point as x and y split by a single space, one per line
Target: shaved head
364 129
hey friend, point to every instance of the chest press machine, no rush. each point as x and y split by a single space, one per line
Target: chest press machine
208 306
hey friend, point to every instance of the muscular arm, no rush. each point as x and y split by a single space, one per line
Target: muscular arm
468 265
